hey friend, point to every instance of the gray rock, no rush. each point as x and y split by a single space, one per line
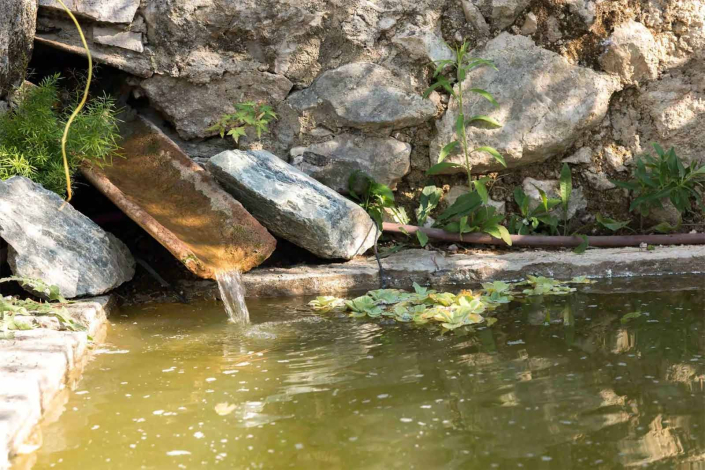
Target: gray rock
502 13
666 213
422 44
193 108
631 53
584 9
584 155
293 205
475 18
17 26
505 12
599 180
551 187
107 11
61 247
530 25
383 158
364 96
112 36
546 104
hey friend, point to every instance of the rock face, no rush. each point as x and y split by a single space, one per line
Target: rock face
106 11
332 162
631 53
670 111
421 44
293 205
545 104
17 25
598 74
363 96
192 110
62 248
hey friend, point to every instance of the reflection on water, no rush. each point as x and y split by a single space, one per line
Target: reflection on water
557 383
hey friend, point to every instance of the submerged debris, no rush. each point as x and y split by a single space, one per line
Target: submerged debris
450 310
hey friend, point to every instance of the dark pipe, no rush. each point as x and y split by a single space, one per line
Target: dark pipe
614 241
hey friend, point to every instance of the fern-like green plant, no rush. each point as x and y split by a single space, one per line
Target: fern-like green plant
248 114
30 135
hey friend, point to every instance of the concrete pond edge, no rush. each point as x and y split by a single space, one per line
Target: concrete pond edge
38 368
430 268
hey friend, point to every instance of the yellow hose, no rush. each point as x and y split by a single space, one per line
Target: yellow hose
78 108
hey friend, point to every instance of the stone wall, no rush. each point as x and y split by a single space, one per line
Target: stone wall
17 23
591 82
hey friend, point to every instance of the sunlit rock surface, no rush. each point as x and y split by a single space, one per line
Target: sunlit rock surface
293 205
60 247
17 26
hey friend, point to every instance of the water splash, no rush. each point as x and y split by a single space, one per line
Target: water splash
232 292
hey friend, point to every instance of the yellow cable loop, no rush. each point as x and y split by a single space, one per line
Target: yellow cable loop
78 108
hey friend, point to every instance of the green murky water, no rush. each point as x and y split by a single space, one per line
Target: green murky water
305 391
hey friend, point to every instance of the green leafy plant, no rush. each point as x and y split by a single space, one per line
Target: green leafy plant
542 218
374 197
534 220
465 215
565 191
430 197
248 114
20 314
612 224
31 134
461 65
470 214
664 176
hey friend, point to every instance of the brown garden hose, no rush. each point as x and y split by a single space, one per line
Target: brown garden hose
612 241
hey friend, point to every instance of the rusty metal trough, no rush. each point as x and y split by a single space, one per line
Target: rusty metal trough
180 204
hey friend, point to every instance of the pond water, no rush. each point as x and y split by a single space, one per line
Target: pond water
179 386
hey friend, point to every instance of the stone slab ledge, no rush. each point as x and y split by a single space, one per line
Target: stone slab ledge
37 368
437 269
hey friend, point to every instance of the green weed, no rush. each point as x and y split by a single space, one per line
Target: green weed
30 136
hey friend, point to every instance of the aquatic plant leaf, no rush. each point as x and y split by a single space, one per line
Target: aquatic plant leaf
629 317
327 303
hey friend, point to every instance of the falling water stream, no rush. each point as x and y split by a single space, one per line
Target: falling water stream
232 292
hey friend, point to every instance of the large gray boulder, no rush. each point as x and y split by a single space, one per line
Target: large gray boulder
546 104
17 25
293 205
364 96
332 162
61 247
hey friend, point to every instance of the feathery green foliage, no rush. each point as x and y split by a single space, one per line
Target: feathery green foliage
30 135
248 114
